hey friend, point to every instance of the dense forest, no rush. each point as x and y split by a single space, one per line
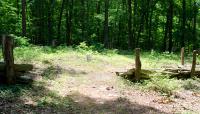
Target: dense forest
164 25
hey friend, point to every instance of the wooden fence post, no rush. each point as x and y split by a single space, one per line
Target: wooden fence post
54 43
137 64
7 46
193 63
182 56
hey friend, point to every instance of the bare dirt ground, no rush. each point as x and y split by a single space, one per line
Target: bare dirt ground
102 90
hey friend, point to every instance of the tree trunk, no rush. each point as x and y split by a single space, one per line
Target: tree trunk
140 30
98 8
106 30
8 59
23 17
170 25
130 32
69 14
83 20
60 18
17 5
134 21
50 29
194 25
166 34
183 23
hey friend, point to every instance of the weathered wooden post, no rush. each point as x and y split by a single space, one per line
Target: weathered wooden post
7 43
54 43
182 56
193 63
137 64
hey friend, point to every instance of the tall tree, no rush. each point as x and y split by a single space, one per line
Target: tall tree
98 11
23 17
69 14
130 31
60 19
106 29
183 23
168 36
171 7
83 20
50 14
195 10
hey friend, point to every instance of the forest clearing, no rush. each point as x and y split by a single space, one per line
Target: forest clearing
66 82
99 57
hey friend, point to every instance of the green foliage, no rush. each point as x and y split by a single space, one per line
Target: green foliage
21 41
163 85
149 21
10 92
8 17
27 54
83 46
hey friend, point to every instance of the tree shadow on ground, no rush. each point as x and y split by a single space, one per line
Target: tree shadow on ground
36 98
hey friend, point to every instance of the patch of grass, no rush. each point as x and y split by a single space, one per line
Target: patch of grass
52 72
12 92
163 85
191 84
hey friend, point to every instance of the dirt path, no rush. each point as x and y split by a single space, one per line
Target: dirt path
103 92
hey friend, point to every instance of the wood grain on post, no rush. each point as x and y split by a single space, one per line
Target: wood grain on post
182 56
7 43
137 64
193 63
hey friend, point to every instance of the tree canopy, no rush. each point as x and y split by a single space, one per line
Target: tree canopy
122 24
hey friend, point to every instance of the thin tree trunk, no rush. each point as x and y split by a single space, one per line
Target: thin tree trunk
194 25
130 32
183 23
83 20
17 5
170 25
69 14
134 21
106 30
140 30
50 29
23 17
60 18
98 8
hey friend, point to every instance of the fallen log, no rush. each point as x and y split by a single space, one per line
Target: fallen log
130 74
18 67
178 73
